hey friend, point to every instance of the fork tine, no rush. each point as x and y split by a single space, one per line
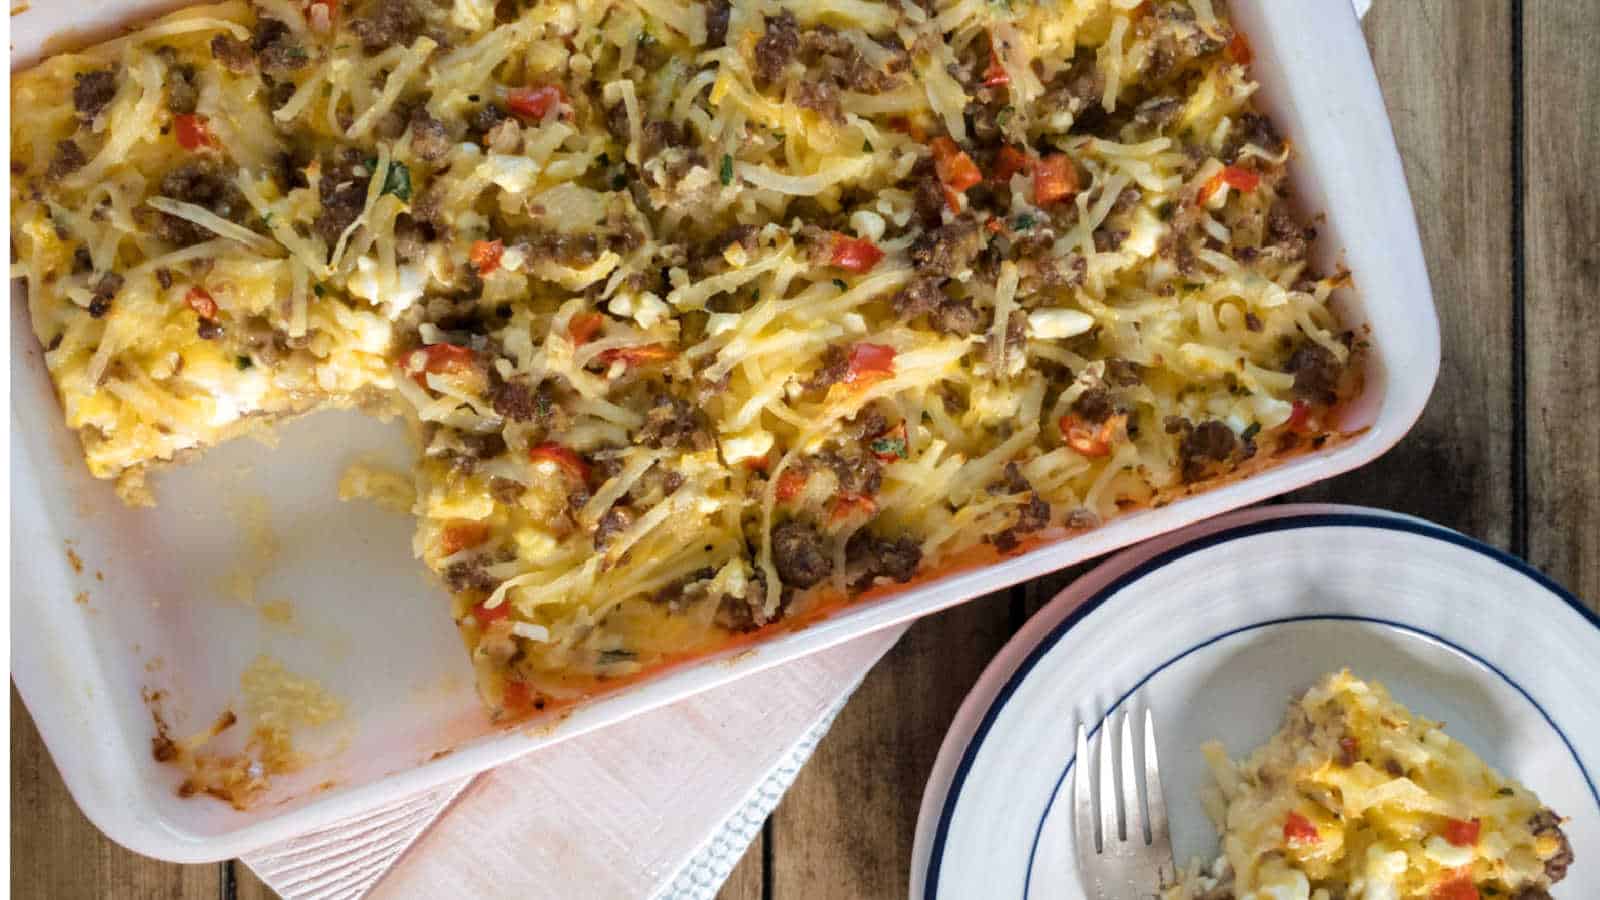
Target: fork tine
1083 799
1110 834
1132 810
1160 834
1130 866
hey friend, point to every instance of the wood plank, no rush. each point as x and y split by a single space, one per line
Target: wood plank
1562 243
745 883
845 828
56 853
1445 68
1041 590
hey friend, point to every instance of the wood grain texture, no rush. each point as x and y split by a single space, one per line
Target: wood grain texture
1040 591
1562 306
746 881
55 851
1445 69
845 828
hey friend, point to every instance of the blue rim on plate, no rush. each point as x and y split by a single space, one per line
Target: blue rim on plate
1055 792
1286 523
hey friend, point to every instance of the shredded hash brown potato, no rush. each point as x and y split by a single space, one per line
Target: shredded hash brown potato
1356 797
707 314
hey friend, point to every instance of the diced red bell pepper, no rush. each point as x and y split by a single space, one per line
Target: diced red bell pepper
855 254
1299 418
584 326
869 362
193 132
995 75
461 535
534 102
1239 50
956 169
437 359
201 302
1462 832
1298 831
1087 440
641 355
485 255
790 485
1457 887
1239 179
758 463
1009 161
320 15
487 616
449 357
1054 178
847 506
564 457
518 697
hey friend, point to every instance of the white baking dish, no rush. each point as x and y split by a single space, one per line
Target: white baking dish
372 628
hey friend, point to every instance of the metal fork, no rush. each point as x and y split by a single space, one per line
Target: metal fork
1132 859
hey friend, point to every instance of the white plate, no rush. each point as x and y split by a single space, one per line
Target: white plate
374 629
1215 629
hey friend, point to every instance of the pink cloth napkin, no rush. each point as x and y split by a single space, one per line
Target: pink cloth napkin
660 805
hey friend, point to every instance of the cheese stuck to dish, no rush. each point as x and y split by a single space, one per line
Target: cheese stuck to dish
1357 797
708 316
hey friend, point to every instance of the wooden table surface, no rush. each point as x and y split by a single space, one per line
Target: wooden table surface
1496 104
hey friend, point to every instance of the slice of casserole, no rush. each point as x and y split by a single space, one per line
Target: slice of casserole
1357 797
